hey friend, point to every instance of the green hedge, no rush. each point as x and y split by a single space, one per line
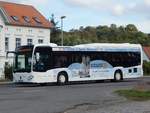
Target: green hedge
8 72
146 68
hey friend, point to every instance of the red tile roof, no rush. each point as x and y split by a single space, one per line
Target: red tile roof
147 51
20 11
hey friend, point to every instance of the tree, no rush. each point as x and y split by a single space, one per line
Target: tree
103 33
106 34
55 30
113 26
131 28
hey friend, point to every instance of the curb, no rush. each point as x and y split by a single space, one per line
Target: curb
147 76
6 83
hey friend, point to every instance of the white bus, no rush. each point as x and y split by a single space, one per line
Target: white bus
98 61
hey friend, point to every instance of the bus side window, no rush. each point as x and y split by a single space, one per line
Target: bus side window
56 62
63 61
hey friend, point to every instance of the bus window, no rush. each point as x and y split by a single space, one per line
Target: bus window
60 61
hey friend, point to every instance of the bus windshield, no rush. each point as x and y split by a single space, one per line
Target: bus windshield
42 59
23 60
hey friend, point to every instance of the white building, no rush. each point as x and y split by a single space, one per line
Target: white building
20 25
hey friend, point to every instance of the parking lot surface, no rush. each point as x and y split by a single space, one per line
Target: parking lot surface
73 98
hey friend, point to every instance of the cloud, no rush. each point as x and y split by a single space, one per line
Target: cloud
136 12
144 26
89 3
35 2
110 6
147 2
100 5
117 8
132 5
113 7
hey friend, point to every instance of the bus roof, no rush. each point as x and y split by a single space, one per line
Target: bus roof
108 45
96 47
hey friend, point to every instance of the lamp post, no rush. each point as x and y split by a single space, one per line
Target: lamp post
62 37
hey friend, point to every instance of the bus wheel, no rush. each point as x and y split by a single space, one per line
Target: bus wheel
118 76
62 79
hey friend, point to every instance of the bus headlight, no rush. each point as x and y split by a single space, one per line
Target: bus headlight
30 77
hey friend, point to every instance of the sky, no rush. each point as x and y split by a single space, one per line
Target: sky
95 12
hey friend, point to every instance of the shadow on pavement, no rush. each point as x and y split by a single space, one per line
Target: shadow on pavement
108 82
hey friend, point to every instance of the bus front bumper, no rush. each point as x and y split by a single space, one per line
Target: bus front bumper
32 78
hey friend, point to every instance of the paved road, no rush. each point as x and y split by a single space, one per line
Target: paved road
74 98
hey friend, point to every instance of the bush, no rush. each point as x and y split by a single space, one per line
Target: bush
146 68
8 72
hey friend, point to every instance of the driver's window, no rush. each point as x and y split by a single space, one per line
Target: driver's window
38 62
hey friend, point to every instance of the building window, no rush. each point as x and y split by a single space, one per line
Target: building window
15 18
18 29
40 31
26 19
6 44
29 41
30 30
18 42
37 20
40 41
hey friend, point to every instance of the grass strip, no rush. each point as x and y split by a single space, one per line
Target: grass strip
134 94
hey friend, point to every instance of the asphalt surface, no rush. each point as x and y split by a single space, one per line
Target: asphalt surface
72 98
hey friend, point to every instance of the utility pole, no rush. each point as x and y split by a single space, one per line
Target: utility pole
62 37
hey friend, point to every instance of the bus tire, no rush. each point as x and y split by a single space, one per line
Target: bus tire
118 76
62 78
